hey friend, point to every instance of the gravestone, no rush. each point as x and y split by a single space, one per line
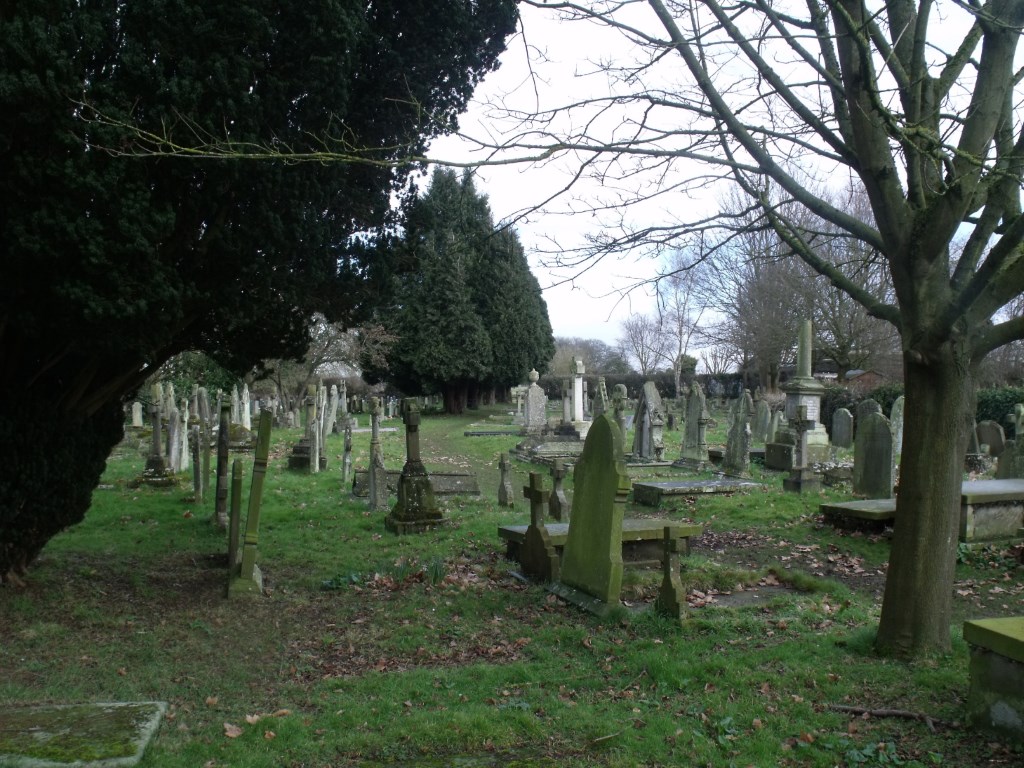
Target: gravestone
991 433
618 411
346 456
538 556
220 501
577 390
331 413
896 423
864 407
156 473
1011 461
736 460
776 427
184 454
558 505
416 509
197 467
505 483
694 450
244 412
248 579
872 457
236 406
762 420
378 479
648 439
671 600
602 403
842 428
591 572
137 420
174 440
535 419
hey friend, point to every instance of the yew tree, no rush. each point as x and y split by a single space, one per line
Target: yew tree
111 263
918 104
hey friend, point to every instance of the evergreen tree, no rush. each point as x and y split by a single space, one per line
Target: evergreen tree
468 315
111 264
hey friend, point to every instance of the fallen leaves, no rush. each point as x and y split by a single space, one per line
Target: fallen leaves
233 731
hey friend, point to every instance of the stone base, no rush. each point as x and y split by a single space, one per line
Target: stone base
239 586
580 599
650 493
996 699
802 481
418 525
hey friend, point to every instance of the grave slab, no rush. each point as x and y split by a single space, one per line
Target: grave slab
100 735
650 493
995 701
642 540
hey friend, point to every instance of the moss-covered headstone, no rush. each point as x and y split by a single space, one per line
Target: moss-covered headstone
416 510
592 559
537 555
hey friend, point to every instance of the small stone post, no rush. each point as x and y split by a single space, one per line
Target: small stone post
671 600
505 483
220 507
197 467
558 505
378 476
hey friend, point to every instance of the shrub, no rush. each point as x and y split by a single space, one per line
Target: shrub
995 403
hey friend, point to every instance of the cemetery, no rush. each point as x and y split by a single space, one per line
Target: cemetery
628 604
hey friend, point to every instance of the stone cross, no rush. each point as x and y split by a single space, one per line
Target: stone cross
558 505
505 483
671 600
537 555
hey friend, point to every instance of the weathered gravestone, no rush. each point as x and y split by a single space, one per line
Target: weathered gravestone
137 420
872 457
602 403
762 420
619 395
842 428
245 408
245 577
896 423
991 433
416 509
694 450
505 482
775 427
558 505
220 500
864 407
378 478
535 419
1011 461
537 555
649 421
736 460
591 572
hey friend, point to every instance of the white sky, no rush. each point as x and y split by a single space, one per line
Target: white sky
590 306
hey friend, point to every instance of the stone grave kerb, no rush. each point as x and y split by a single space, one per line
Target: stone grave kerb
538 556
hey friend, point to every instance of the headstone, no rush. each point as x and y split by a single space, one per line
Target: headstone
777 425
378 474
737 449
602 403
577 389
991 433
174 440
220 503
619 410
416 509
671 600
243 409
864 407
648 437
248 579
346 459
896 422
566 401
762 420
592 560
169 398
872 458
197 467
535 419
331 415
695 445
236 406
842 428
1011 461
137 420
184 454
537 555
505 498
558 505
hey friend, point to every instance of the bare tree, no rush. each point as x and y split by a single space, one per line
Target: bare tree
642 342
775 97
681 308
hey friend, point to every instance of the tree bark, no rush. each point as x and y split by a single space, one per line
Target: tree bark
918 603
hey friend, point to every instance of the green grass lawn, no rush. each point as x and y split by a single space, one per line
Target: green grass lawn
371 649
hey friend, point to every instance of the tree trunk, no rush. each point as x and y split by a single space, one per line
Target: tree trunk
918 603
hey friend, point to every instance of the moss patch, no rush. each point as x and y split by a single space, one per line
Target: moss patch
107 734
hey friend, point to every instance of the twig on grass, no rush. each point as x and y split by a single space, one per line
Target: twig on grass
928 720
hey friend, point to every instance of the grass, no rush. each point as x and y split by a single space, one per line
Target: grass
370 649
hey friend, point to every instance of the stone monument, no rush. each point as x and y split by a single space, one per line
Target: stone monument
416 509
